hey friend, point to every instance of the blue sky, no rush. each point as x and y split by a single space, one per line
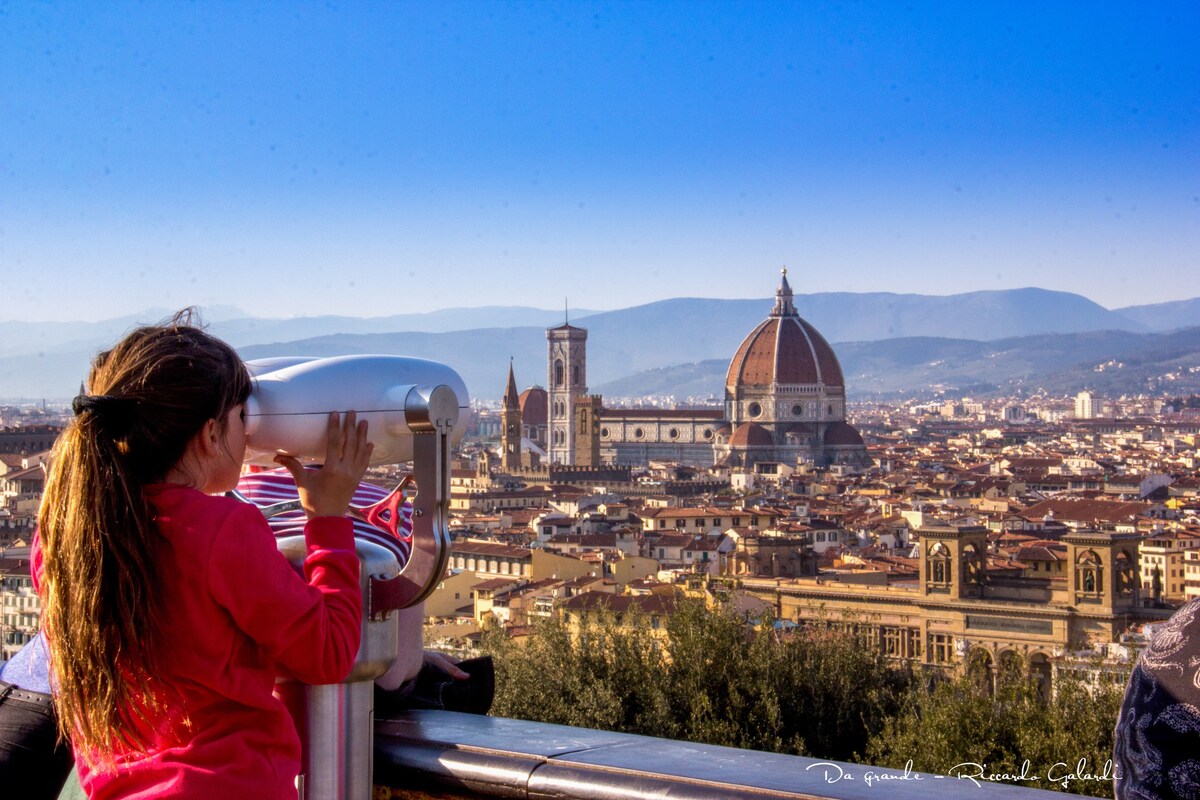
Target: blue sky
380 158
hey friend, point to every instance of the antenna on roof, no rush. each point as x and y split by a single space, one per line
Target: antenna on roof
566 313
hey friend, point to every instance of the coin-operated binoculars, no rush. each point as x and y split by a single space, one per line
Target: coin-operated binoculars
412 407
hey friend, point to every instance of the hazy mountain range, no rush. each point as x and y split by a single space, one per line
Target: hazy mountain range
1111 363
886 343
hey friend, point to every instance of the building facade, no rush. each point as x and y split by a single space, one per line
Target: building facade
957 611
785 401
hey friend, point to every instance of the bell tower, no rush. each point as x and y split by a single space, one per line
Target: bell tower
1104 568
566 348
510 425
953 560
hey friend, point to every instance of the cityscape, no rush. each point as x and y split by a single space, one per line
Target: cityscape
953 535
832 370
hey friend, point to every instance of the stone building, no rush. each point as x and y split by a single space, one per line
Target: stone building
785 402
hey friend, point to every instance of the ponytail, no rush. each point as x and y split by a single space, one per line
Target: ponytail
101 588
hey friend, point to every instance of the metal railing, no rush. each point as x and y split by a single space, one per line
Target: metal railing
443 754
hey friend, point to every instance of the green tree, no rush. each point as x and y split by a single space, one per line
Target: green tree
609 676
716 679
836 692
949 723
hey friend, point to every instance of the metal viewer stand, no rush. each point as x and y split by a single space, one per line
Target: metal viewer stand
336 721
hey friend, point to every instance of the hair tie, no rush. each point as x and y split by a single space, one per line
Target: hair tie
115 415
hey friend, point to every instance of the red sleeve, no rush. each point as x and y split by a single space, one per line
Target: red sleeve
310 626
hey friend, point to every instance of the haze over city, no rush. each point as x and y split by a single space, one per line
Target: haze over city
373 159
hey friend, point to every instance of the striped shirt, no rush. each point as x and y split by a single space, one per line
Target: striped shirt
379 516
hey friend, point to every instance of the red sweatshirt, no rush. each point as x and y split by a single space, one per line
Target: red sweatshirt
236 616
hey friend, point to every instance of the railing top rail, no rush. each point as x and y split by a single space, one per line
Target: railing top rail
495 757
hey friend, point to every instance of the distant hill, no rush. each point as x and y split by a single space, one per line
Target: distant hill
1164 316
845 317
235 327
49 359
1111 363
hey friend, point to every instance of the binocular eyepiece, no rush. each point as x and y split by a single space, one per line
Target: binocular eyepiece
400 397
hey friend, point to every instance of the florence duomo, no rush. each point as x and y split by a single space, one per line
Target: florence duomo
785 403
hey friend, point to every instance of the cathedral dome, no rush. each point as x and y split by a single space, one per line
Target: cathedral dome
784 349
534 406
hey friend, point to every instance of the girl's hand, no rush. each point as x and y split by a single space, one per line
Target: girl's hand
326 492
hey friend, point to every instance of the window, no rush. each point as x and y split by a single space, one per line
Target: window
941 648
1088 573
891 641
938 567
754 410
972 565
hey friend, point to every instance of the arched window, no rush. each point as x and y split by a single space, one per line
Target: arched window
1088 572
1126 580
972 565
558 372
938 570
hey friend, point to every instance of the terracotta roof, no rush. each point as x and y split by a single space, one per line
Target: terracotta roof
784 350
608 540
842 433
749 434
691 513
485 549
34 473
671 539
492 584
704 543
1042 551
1086 510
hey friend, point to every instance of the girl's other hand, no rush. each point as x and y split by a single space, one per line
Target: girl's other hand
326 492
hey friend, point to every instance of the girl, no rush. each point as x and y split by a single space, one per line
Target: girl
168 611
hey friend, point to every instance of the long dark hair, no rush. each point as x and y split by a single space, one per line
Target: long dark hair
102 593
